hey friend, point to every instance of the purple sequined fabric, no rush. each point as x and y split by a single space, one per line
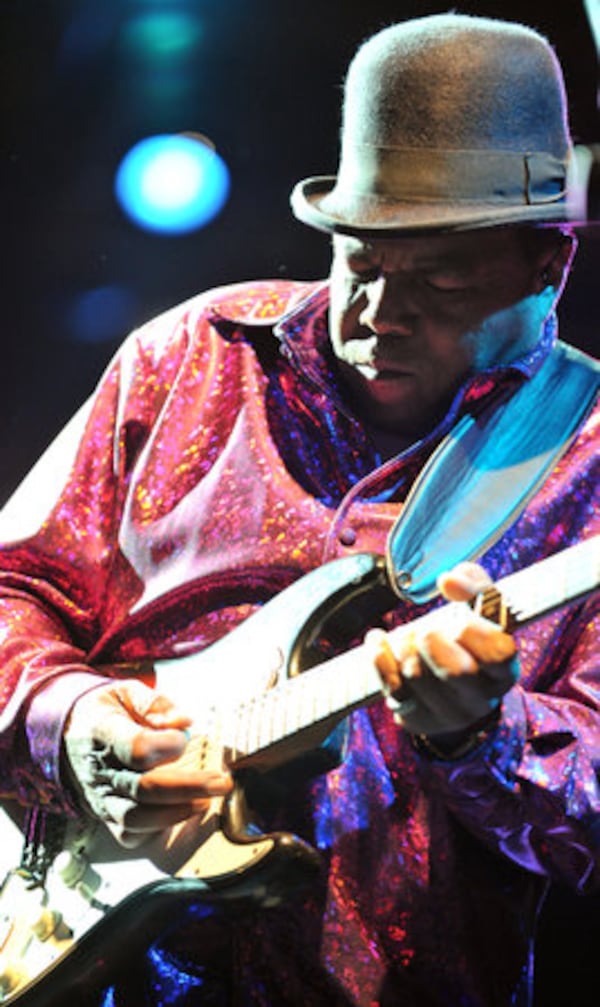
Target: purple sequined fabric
214 471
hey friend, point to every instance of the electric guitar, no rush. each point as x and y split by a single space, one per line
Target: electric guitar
53 931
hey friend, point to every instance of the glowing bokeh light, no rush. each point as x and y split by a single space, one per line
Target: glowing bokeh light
172 184
161 35
101 314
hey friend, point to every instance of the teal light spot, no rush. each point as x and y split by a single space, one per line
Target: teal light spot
161 36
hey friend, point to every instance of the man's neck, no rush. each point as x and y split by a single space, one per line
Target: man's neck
390 443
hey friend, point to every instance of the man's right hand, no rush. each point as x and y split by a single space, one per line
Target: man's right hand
125 747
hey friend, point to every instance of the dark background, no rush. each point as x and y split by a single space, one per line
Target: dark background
263 80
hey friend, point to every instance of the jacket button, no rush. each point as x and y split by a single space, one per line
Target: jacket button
347 536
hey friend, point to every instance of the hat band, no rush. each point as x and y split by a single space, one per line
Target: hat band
423 174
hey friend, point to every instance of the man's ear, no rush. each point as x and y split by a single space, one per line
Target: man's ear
556 261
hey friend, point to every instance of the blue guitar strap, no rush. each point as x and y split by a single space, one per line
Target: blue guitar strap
483 474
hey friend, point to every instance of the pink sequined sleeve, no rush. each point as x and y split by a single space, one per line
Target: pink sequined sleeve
56 566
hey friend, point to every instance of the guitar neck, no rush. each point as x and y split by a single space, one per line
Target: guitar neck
551 583
323 695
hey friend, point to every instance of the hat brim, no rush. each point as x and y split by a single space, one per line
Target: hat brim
316 202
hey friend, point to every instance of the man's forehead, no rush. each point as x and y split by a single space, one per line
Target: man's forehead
463 248
426 247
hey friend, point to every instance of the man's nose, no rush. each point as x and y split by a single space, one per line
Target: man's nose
389 306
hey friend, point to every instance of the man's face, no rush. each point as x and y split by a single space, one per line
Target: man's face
411 317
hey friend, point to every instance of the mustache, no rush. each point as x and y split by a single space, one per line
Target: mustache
373 350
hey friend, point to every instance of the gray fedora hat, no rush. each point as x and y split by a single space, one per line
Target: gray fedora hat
450 122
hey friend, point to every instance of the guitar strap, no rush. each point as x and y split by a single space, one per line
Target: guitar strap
486 470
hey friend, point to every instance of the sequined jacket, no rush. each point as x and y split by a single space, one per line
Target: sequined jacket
217 462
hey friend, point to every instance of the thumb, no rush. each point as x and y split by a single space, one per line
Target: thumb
463 582
142 728
150 707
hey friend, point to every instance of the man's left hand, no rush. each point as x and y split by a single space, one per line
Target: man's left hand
442 686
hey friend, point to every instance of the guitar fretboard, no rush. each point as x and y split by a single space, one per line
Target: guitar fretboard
553 582
348 681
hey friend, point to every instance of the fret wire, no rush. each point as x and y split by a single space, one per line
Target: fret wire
564 575
268 711
253 734
241 729
263 738
274 706
228 721
306 701
264 724
279 708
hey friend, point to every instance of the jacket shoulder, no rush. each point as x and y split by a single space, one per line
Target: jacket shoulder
248 309
258 302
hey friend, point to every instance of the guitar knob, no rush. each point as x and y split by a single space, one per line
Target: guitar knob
70 867
46 924
11 977
78 874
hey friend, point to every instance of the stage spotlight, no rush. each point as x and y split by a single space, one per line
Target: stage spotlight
172 183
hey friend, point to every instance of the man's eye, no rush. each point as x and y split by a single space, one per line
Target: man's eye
446 285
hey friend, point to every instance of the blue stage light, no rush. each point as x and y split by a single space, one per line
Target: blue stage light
172 183
101 314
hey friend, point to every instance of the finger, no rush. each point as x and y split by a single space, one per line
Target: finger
394 666
380 652
463 582
396 673
139 747
161 787
162 713
150 707
446 657
158 787
412 666
487 643
153 748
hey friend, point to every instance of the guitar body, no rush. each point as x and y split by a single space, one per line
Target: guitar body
57 940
